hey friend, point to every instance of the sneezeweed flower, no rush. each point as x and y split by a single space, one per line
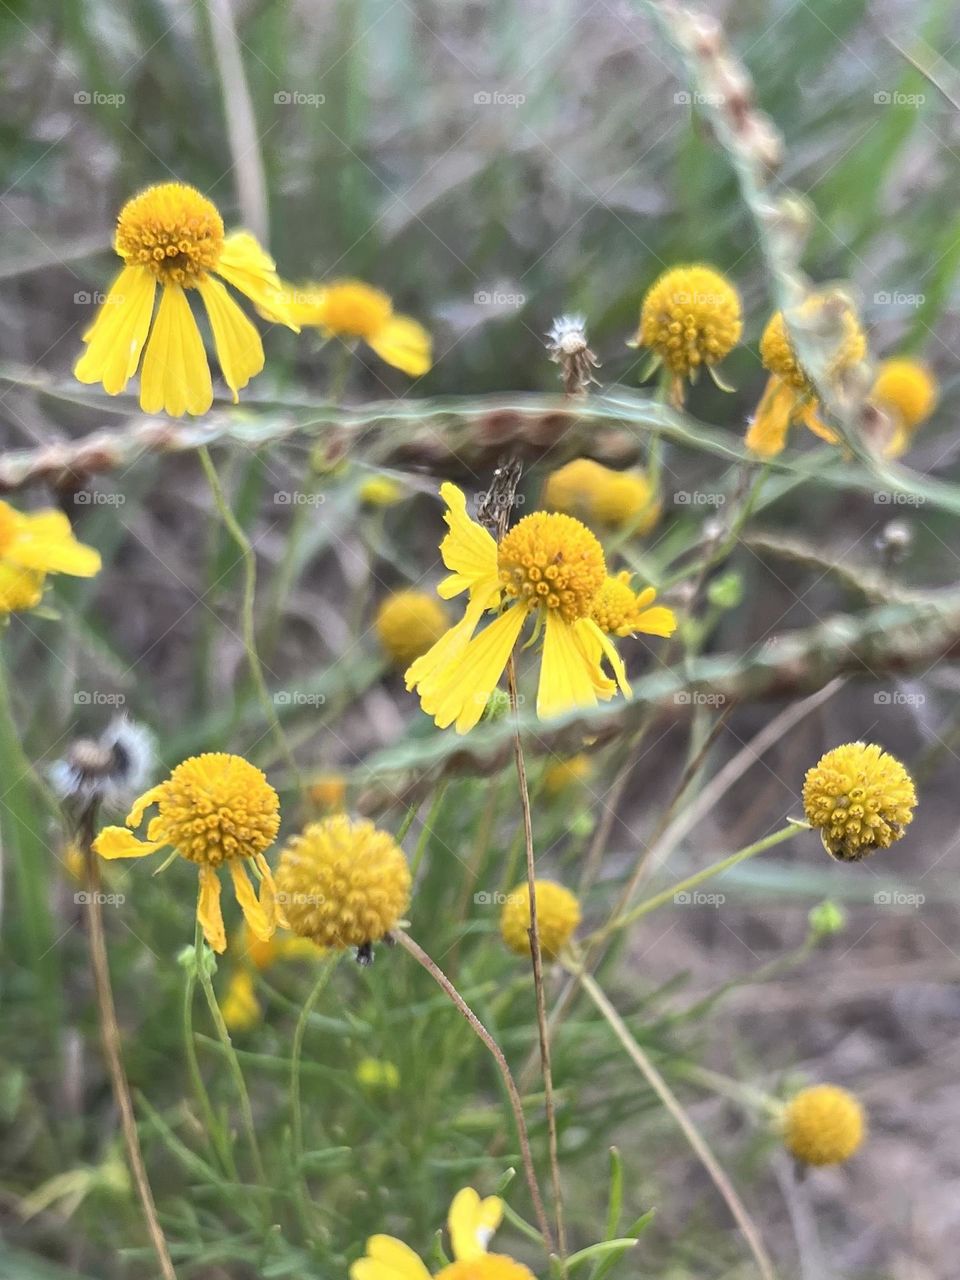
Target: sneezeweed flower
408 623
558 914
213 809
618 610
690 320
241 1008
172 236
906 391
600 495
860 799
357 312
381 491
343 883
377 1074
471 1222
33 545
790 396
560 775
548 567
824 1124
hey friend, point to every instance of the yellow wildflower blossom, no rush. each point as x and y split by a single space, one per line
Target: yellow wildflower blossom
32 545
357 312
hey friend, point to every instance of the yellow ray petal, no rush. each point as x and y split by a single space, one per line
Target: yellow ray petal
567 674
45 542
118 842
208 909
451 644
268 895
176 376
405 344
142 803
810 418
588 631
472 1222
261 925
767 433
238 344
388 1259
468 549
246 265
461 690
116 337
658 621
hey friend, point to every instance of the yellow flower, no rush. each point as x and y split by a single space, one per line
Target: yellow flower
548 566
213 809
33 545
860 798
824 1125
620 611
173 236
690 318
343 883
907 391
381 491
558 914
601 495
408 623
560 775
789 396
263 953
471 1223
374 1073
328 792
241 1008
354 311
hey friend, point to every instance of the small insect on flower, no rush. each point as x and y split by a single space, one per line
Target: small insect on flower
600 495
860 799
567 346
790 396
690 319
906 392
110 769
343 883
213 809
408 623
471 1222
548 567
33 545
172 236
558 914
823 1125
357 312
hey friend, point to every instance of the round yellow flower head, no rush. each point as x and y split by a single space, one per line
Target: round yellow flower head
824 1125
620 611
908 392
343 883
780 358
690 318
560 775
408 623
860 798
601 495
241 1008
33 545
328 791
172 236
552 561
355 312
558 914
381 491
213 809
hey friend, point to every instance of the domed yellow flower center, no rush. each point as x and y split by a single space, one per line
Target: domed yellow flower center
690 317
354 309
615 605
490 1266
860 798
216 807
408 623
173 231
823 1125
558 914
778 354
552 560
907 388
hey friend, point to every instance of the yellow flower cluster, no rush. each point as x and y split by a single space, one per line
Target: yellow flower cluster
906 391
824 1125
600 495
33 546
860 799
408 623
558 914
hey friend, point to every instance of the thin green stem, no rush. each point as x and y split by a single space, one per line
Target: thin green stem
296 1109
211 1125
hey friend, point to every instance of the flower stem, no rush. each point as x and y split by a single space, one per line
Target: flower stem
296 1109
536 955
441 979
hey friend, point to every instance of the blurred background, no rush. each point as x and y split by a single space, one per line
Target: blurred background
490 166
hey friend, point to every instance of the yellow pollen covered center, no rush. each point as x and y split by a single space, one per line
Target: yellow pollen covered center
173 231
690 317
216 807
553 561
615 605
355 309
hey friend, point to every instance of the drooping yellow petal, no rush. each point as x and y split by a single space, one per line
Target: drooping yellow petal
116 337
142 803
388 1259
208 909
268 894
469 550
118 842
45 542
261 925
810 418
405 344
567 675
246 265
450 645
767 434
595 641
238 344
472 1222
461 690
658 621
176 376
